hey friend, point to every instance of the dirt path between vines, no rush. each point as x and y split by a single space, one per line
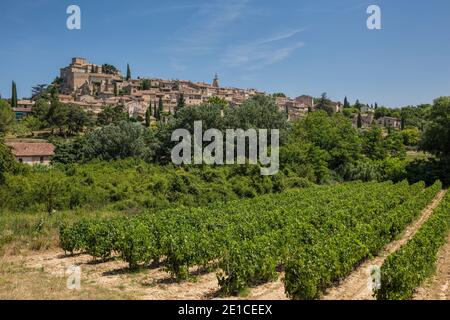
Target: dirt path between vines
438 287
357 285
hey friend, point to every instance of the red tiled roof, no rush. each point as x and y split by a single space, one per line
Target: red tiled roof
26 149
25 102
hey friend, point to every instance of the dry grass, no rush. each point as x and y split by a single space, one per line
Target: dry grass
18 282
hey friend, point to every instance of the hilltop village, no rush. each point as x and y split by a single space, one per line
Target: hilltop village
93 87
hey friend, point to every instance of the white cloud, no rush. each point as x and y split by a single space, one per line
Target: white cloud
265 52
209 24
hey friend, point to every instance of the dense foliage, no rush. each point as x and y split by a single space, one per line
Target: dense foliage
135 185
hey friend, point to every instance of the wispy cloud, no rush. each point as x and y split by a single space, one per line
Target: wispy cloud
209 24
165 9
265 52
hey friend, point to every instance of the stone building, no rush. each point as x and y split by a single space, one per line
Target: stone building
83 78
91 87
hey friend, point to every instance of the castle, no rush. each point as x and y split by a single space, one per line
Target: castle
94 86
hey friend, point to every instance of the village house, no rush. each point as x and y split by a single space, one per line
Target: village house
89 86
390 122
24 109
32 153
366 120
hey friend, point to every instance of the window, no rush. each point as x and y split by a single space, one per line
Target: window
42 159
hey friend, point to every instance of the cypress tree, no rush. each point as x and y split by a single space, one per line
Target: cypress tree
160 109
346 103
180 102
14 95
128 78
359 123
116 90
148 116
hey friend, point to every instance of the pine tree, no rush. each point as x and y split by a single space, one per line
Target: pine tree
14 95
128 78
346 103
376 106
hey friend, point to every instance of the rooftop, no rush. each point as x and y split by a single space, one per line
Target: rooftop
28 149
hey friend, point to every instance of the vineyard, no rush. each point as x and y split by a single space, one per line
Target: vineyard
316 235
407 269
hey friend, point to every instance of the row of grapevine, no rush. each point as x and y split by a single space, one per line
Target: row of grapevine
246 263
176 233
323 229
312 269
407 268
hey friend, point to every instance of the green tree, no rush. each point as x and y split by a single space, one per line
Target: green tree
145 84
358 105
436 138
32 123
39 91
110 115
325 104
7 161
109 69
180 103
116 90
40 111
128 78
257 112
160 110
118 141
359 122
411 137
50 188
6 117
218 101
346 103
77 119
13 95
57 116
148 115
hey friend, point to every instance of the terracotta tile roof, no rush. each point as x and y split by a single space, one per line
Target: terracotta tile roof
25 102
26 149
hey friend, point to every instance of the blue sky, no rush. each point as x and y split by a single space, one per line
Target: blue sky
292 46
